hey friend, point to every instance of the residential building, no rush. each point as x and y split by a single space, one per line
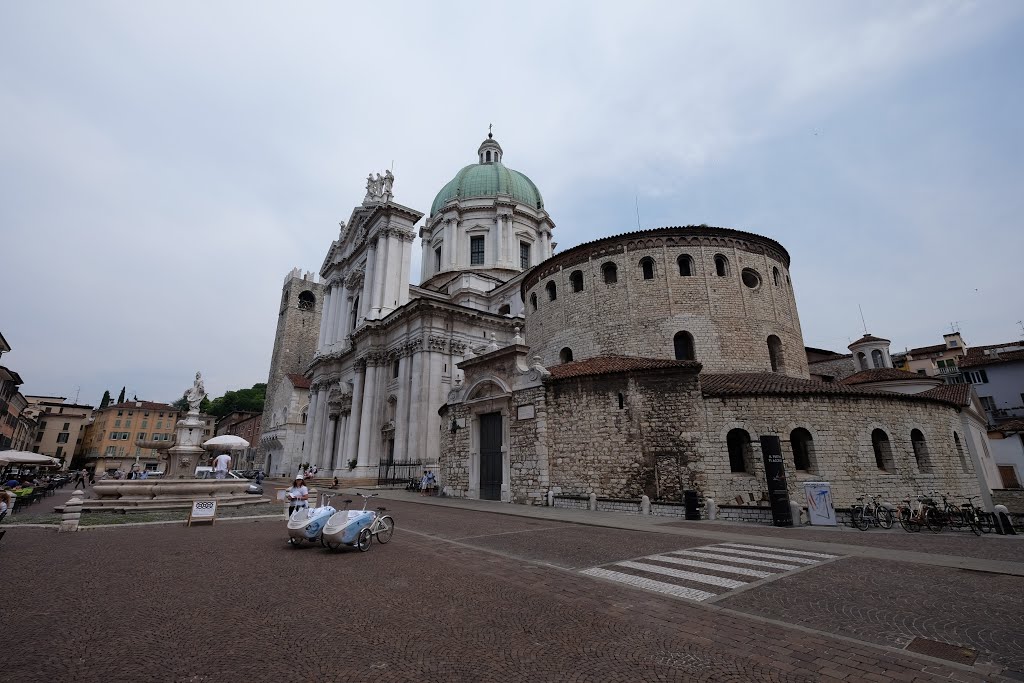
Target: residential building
938 360
60 427
133 434
10 405
248 425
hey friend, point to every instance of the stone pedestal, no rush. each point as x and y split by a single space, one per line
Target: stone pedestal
187 452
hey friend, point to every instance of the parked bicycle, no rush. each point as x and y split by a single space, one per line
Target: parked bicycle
909 517
865 514
981 522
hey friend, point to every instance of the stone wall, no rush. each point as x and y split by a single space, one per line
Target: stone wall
836 368
842 451
729 321
1013 499
528 471
640 449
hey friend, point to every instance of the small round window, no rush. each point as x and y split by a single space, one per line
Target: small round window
751 278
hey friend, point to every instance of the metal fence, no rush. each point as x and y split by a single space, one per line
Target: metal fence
398 473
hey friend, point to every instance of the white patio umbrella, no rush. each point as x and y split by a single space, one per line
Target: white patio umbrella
26 458
226 442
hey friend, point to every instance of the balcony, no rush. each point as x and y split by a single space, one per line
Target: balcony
947 370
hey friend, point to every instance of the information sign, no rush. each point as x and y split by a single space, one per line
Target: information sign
203 511
775 474
820 508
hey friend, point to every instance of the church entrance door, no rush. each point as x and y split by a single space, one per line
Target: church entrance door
490 456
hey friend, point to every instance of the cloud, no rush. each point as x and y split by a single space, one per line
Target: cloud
165 165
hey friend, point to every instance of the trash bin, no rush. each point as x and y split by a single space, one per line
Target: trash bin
691 505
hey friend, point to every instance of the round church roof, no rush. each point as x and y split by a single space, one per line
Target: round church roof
489 179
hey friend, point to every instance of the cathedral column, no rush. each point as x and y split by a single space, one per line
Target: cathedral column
330 442
405 249
330 316
355 417
366 302
377 290
497 244
366 419
448 255
318 421
460 260
394 275
402 409
340 296
323 317
337 458
346 314
307 444
414 414
432 383
510 239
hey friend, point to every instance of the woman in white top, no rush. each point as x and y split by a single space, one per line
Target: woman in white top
298 495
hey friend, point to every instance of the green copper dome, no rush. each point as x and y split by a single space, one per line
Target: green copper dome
489 179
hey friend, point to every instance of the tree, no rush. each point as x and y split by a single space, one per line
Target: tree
106 400
182 404
249 400
120 397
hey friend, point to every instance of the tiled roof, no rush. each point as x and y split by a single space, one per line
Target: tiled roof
925 350
976 355
298 381
827 352
880 375
774 384
870 338
607 365
959 394
1010 426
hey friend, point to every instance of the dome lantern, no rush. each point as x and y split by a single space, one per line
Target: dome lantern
489 151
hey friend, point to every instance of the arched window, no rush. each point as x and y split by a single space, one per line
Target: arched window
622 401
306 301
611 273
802 444
533 301
576 280
394 369
683 343
921 455
552 292
775 276
721 265
877 359
883 450
354 314
565 355
960 453
488 155
775 355
647 267
862 361
738 442
305 414
504 309
685 262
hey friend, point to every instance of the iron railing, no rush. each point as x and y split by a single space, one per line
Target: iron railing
390 473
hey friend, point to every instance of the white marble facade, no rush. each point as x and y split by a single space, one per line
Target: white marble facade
387 351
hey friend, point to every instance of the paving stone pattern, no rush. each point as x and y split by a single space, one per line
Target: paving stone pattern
158 604
709 571
891 603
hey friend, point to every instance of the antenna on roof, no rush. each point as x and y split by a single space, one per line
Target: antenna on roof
954 326
862 318
1021 323
636 202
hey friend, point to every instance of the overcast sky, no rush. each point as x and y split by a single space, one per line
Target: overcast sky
163 165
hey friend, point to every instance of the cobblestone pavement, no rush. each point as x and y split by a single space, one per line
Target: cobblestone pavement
891 603
233 602
946 542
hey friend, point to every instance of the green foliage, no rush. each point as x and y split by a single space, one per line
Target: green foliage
182 404
105 401
251 400
120 397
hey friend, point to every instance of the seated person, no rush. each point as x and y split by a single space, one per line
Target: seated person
6 501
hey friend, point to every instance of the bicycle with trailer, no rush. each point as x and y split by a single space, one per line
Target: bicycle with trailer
307 524
358 527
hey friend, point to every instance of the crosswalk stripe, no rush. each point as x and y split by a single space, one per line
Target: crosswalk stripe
679 574
780 550
738 560
768 556
711 565
649 584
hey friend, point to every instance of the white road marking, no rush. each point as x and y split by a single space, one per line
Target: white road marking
738 560
711 565
679 574
779 550
768 556
648 584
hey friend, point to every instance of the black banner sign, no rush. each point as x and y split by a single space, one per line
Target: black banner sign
775 473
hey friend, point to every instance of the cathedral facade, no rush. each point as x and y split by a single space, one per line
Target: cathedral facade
639 364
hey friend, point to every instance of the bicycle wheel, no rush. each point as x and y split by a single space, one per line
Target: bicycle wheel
885 519
933 520
363 541
973 522
985 521
860 520
955 518
903 516
387 529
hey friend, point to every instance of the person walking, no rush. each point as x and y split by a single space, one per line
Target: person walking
298 495
221 465
80 478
